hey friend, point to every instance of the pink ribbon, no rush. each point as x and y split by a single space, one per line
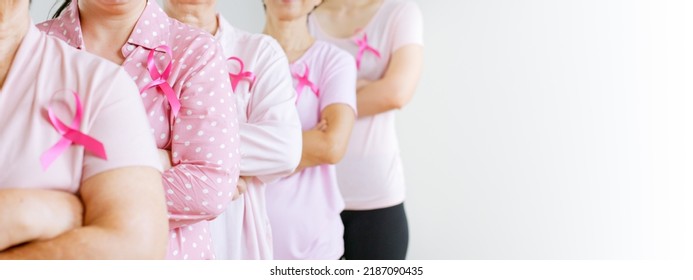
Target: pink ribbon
363 48
303 82
70 135
241 75
159 79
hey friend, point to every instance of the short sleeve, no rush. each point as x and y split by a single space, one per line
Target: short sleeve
121 125
338 84
408 26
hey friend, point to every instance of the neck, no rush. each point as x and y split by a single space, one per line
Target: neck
200 15
109 25
292 35
14 24
14 20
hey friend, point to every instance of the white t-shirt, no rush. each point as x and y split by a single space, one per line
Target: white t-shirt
304 208
271 139
370 175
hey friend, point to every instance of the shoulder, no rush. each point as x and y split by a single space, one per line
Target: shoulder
53 27
77 60
399 10
185 38
98 81
260 46
399 5
333 55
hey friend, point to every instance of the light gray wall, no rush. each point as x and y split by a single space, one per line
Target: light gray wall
546 129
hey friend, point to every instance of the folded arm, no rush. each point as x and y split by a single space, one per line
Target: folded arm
124 218
396 88
327 145
29 214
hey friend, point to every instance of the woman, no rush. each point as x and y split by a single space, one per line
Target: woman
270 129
183 80
385 38
304 207
74 142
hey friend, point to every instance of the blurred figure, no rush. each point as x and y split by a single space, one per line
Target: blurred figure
385 38
182 77
269 126
304 208
81 177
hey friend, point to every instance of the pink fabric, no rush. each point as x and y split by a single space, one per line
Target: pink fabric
111 113
70 135
241 75
304 208
370 175
160 79
203 139
303 81
271 136
364 47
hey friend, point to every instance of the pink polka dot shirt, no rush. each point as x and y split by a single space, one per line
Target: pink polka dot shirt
203 138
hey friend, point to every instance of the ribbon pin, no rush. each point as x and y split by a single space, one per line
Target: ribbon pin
241 75
159 79
70 135
363 48
303 82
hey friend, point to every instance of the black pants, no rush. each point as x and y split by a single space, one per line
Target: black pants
380 234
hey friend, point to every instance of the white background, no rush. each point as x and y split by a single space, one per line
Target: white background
546 129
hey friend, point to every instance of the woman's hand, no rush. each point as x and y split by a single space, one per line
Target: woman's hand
321 126
241 187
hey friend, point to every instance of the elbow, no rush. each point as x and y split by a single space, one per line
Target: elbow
147 240
398 101
400 97
155 250
149 232
334 153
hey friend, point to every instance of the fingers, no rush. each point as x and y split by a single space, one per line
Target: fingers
241 188
321 126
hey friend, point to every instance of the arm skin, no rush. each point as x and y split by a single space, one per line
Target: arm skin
327 143
29 215
396 88
125 218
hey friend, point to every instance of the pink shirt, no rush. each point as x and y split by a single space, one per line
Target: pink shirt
44 74
203 138
370 175
304 208
271 136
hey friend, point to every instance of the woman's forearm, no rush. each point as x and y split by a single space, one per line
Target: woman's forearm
397 86
375 97
327 142
29 215
317 149
124 218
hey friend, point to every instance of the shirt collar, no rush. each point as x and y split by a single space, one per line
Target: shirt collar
224 27
69 19
151 29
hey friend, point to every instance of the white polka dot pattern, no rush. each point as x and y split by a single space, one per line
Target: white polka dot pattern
199 76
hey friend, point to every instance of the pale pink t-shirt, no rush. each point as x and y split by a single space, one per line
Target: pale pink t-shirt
271 137
370 175
44 74
304 208
203 138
